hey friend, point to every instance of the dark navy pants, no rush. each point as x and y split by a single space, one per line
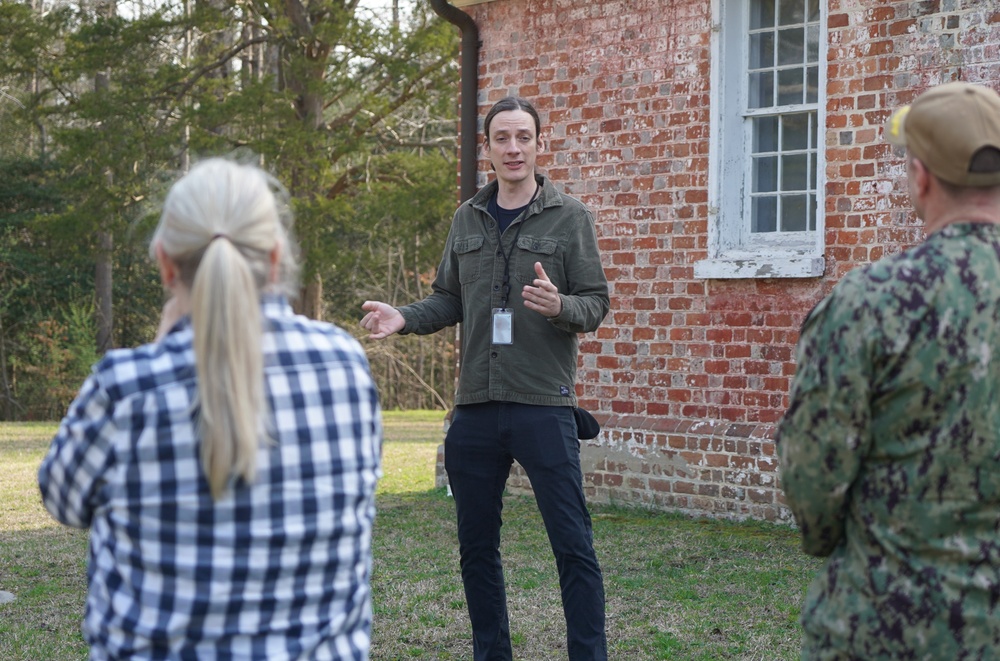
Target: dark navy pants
479 449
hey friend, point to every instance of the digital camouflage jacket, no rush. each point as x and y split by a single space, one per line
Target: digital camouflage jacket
890 455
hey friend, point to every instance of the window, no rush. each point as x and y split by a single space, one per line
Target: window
766 155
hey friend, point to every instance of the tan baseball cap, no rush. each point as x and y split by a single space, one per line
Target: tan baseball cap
946 126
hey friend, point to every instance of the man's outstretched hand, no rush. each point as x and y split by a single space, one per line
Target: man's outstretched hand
381 320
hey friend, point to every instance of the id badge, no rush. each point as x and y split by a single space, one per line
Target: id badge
502 325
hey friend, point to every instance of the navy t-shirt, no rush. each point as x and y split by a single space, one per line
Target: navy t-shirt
504 217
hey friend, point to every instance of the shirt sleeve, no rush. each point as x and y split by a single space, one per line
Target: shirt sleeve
586 301
443 307
79 457
824 436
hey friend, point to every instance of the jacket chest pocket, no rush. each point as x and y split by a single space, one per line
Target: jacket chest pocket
469 252
533 249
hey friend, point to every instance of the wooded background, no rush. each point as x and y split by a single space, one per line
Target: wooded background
104 103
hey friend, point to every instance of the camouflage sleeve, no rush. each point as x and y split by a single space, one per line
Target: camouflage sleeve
824 435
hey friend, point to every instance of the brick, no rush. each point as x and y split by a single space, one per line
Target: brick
838 21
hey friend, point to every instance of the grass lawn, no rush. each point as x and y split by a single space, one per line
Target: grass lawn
677 588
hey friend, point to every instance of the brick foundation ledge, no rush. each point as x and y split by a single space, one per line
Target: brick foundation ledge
699 467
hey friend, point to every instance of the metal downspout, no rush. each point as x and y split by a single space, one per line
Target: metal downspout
468 156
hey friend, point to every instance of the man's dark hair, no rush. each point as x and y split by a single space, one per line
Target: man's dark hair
511 103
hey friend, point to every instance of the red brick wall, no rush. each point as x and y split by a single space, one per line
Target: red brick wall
688 375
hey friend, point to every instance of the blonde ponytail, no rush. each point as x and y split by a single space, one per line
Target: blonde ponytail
225 317
222 226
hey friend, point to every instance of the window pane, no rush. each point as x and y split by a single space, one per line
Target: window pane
761 90
812 171
765 174
791 11
794 216
765 214
812 213
812 84
794 172
812 43
791 46
761 14
765 134
789 86
795 131
812 10
812 131
762 50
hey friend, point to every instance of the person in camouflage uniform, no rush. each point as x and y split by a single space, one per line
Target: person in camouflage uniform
890 448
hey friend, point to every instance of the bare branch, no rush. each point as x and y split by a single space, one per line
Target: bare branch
382 350
203 71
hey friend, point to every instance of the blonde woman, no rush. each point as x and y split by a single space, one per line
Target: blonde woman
227 471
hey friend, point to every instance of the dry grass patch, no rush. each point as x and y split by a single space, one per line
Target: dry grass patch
42 563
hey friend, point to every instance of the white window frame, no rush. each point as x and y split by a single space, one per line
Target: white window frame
732 251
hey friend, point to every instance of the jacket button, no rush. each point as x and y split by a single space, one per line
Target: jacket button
493 354
496 287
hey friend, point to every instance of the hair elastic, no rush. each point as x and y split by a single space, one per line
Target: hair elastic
218 236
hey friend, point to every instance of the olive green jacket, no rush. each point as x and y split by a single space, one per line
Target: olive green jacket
540 366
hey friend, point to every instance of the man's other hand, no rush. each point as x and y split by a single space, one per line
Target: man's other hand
543 297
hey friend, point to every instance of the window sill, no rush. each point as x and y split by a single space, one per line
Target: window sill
748 265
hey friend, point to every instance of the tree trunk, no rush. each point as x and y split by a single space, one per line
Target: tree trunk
105 244
311 298
305 81
5 390
102 291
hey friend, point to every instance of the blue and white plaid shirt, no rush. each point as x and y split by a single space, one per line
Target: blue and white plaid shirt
275 570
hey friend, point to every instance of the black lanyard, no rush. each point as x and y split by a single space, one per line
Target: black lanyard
506 261
506 257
